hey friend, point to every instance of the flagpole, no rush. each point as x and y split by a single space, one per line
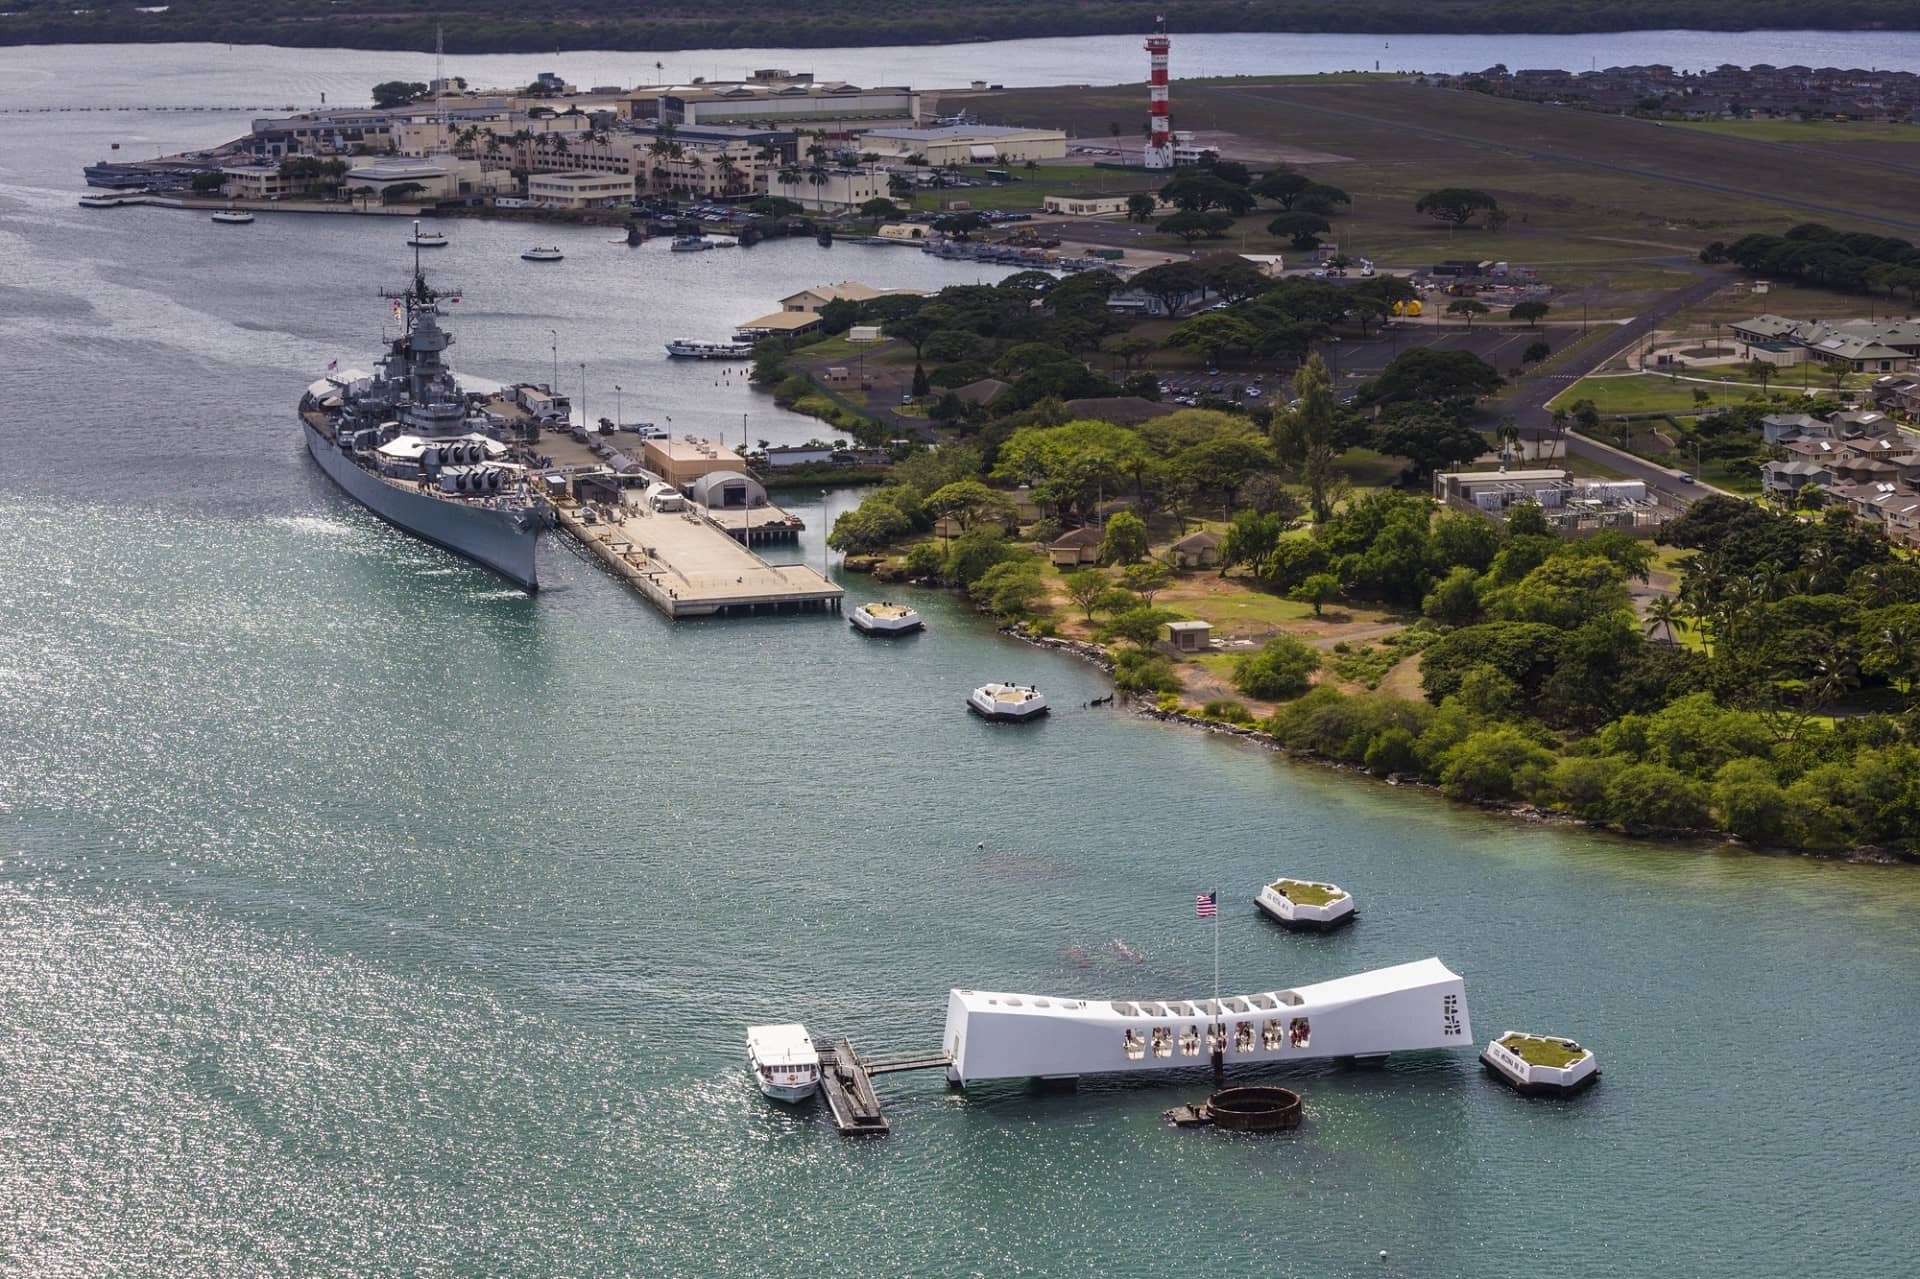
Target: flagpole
1219 1023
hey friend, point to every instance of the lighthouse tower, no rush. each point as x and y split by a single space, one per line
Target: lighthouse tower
1160 134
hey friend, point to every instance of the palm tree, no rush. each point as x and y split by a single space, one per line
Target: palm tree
1899 654
1662 613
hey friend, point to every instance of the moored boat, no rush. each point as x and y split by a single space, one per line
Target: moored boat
784 1061
411 446
101 202
427 239
690 244
1306 904
695 349
1009 703
1540 1065
543 255
231 216
884 619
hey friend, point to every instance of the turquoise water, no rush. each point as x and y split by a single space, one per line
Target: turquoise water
359 915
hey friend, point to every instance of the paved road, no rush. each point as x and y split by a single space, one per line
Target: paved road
1528 403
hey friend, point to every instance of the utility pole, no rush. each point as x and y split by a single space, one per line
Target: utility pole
554 386
583 395
616 404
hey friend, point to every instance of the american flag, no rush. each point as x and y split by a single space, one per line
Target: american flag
332 365
1206 905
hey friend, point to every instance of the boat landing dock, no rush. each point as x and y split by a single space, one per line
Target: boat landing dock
689 566
847 1084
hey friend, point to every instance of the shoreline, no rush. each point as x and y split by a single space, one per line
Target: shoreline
1142 707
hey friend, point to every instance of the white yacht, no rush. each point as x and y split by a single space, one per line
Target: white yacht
785 1063
100 201
231 216
694 349
1306 904
884 619
691 244
552 254
1015 702
427 239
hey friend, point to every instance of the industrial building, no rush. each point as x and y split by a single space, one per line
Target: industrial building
783 103
836 188
954 144
578 190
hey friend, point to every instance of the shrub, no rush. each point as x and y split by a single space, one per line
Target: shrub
1750 800
1139 671
1578 785
1278 671
1653 797
1140 623
1225 708
1392 750
1495 763
792 388
926 559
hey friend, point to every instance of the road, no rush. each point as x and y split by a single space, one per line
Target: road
1528 403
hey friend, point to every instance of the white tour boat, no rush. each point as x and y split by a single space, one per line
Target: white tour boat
543 255
427 239
101 201
232 217
1540 1065
1406 1008
693 349
1306 904
1013 702
785 1063
884 619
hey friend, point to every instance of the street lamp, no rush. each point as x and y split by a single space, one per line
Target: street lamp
554 386
616 405
583 395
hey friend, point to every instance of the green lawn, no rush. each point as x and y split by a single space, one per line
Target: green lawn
1648 393
1538 1050
1813 131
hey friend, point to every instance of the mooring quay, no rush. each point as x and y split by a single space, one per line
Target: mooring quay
687 563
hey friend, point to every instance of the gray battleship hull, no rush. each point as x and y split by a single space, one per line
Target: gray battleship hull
502 540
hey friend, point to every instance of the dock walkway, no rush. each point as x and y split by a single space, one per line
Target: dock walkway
688 566
847 1084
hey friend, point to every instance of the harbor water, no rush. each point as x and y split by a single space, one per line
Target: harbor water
361 915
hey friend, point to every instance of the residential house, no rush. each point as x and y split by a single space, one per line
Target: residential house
1076 547
1777 428
1786 479
1197 550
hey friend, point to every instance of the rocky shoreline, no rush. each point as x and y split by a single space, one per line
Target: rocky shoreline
1096 655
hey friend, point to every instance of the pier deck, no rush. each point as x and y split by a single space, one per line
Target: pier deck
688 566
847 1084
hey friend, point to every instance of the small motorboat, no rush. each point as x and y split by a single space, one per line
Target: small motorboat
885 619
1007 703
100 202
543 255
427 239
691 244
232 217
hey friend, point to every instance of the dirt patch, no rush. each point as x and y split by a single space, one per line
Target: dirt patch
1237 146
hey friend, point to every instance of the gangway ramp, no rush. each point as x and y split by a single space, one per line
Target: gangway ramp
847 1084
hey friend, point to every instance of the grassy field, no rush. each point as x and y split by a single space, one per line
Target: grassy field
1818 132
1581 188
1636 393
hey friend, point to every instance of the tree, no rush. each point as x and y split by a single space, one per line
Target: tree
1127 349
1305 437
1146 579
1202 191
1455 205
966 501
1141 206
879 208
1662 613
1565 592
1536 352
401 192
838 315
921 388
914 330
1250 539
1467 307
1170 284
1140 624
1010 588
397 93
1455 599
1085 587
1423 375
1529 313
208 183
1281 669
1323 199
1191 226
1760 371
1650 797
1125 541
1318 590
1495 763
1282 187
1211 334
1428 439
1302 230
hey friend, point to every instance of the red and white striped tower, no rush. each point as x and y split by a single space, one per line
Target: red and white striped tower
1160 131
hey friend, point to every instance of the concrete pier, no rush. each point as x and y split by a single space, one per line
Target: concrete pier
689 566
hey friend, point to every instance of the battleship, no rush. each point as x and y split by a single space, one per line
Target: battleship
411 446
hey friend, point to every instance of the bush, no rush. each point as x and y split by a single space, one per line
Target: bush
1135 670
1392 750
1495 763
1578 785
792 389
974 552
1750 801
926 559
1125 541
1228 710
1653 797
1278 671
1009 589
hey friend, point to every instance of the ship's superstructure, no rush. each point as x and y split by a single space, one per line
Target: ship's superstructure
991 1035
415 449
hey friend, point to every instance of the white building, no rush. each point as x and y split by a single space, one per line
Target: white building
838 188
578 190
966 144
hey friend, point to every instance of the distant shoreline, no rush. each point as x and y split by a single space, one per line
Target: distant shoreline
553 27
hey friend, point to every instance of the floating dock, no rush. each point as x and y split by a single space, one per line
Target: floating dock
847 1084
688 565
